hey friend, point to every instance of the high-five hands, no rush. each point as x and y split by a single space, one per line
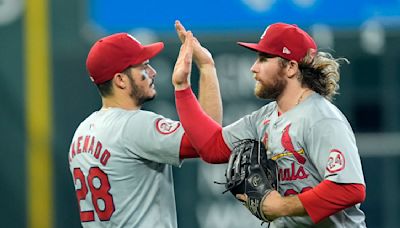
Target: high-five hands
201 55
183 65
209 95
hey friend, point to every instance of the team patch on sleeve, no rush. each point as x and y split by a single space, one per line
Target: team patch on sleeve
336 161
166 126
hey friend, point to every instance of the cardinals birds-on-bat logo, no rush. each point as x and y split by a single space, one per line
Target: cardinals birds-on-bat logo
288 145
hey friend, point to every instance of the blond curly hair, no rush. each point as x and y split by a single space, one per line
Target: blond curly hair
320 72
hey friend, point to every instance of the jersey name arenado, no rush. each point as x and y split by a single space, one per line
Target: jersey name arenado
310 143
121 165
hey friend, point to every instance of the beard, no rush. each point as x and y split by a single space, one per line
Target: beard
143 99
271 90
138 94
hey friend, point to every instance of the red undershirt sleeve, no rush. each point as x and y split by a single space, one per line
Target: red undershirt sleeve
215 151
203 132
328 198
186 149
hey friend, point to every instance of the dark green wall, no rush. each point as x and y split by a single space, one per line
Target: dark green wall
12 129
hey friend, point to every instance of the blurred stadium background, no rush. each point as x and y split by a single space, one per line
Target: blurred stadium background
46 93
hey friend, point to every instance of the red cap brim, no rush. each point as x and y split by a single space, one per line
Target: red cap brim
251 46
148 52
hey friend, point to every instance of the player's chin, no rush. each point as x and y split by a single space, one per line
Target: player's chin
261 91
152 94
150 98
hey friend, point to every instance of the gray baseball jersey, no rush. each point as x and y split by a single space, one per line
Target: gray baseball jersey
121 166
310 143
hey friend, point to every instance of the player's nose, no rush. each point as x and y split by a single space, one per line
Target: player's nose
254 68
151 71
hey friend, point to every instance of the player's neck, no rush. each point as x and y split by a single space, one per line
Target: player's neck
291 97
114 102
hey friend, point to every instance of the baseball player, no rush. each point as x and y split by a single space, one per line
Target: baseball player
120 156
320 177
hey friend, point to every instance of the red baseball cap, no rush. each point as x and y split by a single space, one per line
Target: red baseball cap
284 40
115 53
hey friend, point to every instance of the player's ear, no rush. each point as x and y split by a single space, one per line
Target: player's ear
292 68
120 80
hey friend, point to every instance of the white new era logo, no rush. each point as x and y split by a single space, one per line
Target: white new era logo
286 50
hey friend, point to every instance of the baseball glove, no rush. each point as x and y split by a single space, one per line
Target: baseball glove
250 172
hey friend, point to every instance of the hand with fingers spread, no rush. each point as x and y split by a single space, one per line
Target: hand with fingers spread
201 55
183 65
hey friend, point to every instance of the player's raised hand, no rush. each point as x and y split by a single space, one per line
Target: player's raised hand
201 55
183 65
180 30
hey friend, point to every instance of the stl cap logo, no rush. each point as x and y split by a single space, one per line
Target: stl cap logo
285 50
133 38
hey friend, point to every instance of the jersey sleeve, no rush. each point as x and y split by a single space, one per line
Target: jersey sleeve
332 147
244 128
154 137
